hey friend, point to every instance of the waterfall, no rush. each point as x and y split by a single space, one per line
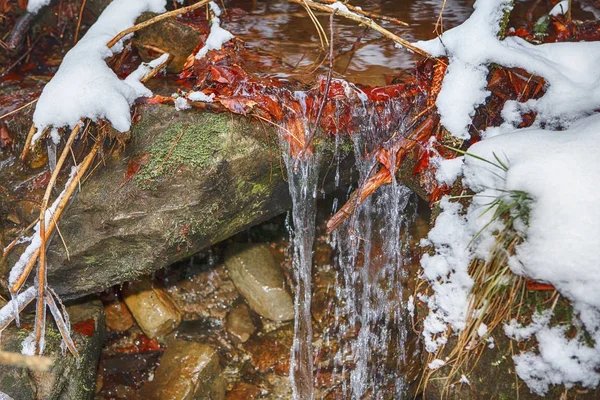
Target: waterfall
303 174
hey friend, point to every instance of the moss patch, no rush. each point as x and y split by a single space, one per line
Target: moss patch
196 145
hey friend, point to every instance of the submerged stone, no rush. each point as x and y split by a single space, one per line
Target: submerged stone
239 323
259 279
187 370
152 308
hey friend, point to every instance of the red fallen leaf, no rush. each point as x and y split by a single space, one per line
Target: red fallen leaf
41 181
422 163
135 164
142 344
6 139
538 286
86 327
238 104
157 99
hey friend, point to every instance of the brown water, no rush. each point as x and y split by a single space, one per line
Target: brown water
361 55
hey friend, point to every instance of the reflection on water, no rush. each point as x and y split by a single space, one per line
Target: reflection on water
362 55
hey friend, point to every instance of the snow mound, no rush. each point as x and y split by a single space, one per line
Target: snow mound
84 86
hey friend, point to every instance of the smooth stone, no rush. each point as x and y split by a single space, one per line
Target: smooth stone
259 279
271 351
239 323
187 370
118 317
152 307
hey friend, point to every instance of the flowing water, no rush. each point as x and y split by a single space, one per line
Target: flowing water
303 174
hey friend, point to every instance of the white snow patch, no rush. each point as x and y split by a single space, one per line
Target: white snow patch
217 36
181 103
200 96
556 166
569 68
464 379
437 363
560 9
448 170
33 6
84 86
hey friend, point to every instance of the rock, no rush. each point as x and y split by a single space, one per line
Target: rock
118 317
152 307
244 391
187 370
239 323
259 279
204 293
169 35
68 378
222 177
272 350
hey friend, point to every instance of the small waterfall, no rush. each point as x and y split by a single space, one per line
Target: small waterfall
372 323
370 328
303 174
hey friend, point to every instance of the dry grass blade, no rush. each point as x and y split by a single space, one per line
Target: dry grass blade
365 21
18 109
495 298
156 19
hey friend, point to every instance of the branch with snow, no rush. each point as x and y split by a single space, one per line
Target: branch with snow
84 86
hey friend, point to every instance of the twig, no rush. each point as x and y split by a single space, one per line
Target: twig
368 13
365 21
15 40
79 21
28 142
19 360
326 92
18 109
25 54
158 18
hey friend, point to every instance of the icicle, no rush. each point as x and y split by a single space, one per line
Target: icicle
15 304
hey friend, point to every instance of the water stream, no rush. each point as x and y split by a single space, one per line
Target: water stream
303 174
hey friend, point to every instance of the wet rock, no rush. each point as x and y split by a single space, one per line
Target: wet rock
244 391
239 323
271 350
170 36
259 279
204 293
187 370
118 317
68 378
152 307
221 178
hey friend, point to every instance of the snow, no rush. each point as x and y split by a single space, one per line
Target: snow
35 239
560 9
555 162
464 379
33 6
570 69
7 312
217 36
181 103
447 171
437 363
200 96
84 86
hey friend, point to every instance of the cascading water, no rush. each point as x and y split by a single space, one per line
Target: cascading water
370 318
372 324
303 174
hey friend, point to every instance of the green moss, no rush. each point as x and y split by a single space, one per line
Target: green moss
195 145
